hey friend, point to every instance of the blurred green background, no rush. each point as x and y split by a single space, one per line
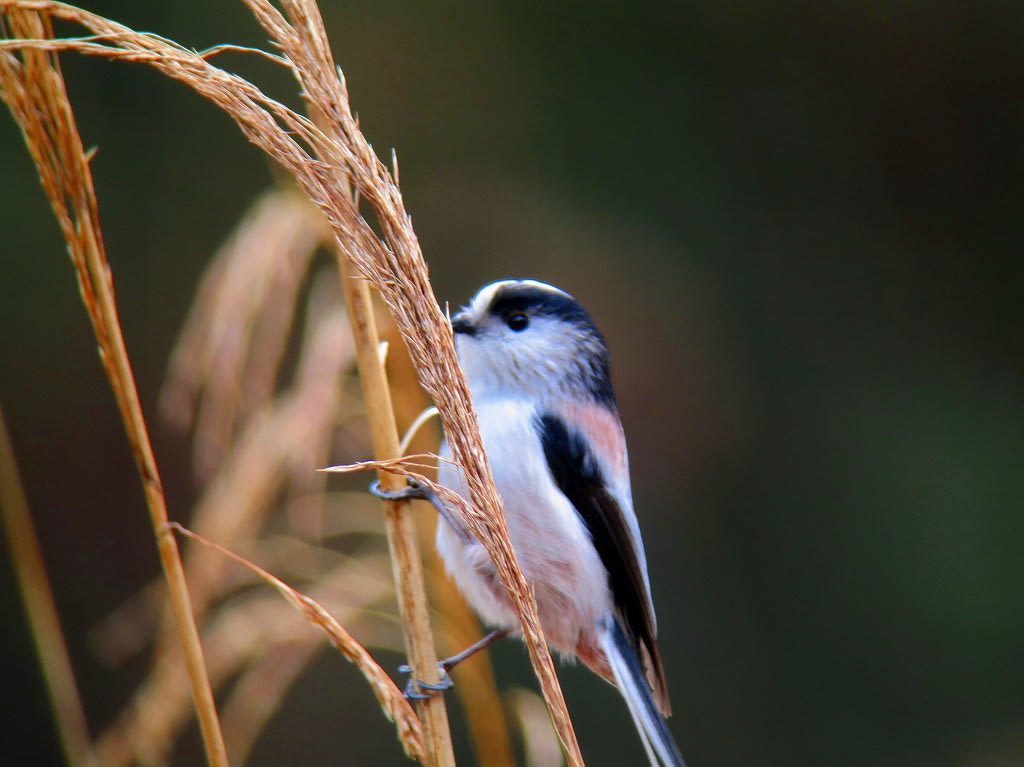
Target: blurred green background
798 223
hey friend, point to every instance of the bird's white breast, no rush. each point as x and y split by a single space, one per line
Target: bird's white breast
551 542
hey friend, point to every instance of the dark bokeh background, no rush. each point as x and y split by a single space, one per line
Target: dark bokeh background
798 224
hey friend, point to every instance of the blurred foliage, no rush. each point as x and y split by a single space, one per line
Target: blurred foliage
798 224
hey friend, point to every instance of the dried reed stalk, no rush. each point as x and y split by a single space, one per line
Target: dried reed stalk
390 698
401 528
269 442
233 636
482 706
393 263
43 620
34 90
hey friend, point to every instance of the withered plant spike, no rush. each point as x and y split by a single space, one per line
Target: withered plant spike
406 563
391 699
399 273
399 524
35 92
43 620
147 727
394 265
482 706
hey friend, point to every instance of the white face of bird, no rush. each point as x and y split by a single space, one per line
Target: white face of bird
522 338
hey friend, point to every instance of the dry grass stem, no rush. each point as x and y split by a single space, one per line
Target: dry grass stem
400 526
403 542
390 698
43 620
34 90
236 637
482 706
393 263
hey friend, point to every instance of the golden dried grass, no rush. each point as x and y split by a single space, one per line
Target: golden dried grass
278 437
320 161
33 89
259 641
390 698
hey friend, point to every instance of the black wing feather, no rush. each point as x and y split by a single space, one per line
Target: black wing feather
579 477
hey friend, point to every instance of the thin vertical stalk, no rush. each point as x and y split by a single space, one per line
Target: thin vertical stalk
486 722
406 563
34 90
41 608
391 260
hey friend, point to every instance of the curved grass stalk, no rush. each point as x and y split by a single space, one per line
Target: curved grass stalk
393 261
34 90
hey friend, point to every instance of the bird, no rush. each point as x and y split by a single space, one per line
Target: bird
538 371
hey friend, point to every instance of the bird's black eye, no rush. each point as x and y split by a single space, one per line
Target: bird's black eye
517 321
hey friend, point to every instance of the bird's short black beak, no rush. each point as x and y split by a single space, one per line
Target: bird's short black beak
461 324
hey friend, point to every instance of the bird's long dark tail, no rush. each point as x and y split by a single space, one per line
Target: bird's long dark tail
661 748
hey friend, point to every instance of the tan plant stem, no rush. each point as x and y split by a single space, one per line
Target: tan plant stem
391 699
484 710
392 261
37 96
43 620
406 563
482 706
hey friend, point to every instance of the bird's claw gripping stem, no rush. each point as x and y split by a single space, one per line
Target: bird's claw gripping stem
417 689
413 491
417 491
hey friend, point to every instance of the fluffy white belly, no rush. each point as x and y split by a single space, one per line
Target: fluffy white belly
551 543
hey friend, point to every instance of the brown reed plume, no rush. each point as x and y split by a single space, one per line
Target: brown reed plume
272 452
319 160
145 731
33 89
394 704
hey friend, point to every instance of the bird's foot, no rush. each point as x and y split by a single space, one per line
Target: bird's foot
416 491
417 689
413 491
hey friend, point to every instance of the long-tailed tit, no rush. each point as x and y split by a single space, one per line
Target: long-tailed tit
538 371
